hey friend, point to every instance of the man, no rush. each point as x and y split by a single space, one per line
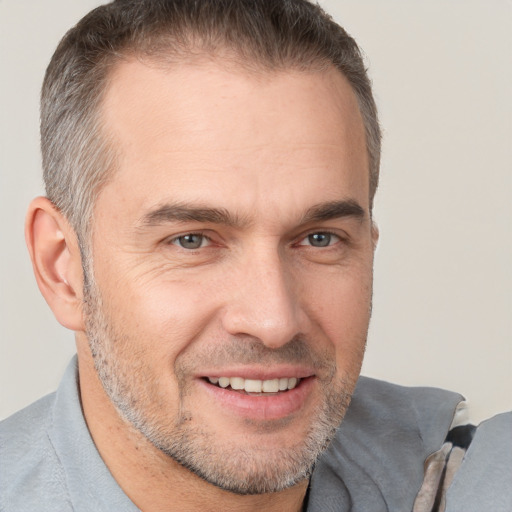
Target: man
207 233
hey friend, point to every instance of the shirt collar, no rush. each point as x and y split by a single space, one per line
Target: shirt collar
90 484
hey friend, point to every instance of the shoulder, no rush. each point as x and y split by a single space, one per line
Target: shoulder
29 461
472 471
375 461
26 425
396 450
422 409
483 479
410 419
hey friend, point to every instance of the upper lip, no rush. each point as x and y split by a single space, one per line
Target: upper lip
259 373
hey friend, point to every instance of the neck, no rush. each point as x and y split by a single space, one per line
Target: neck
152 480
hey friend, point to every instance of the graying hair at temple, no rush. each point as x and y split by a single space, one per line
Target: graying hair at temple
258 35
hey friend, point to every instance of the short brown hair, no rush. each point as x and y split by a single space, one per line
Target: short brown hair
269 34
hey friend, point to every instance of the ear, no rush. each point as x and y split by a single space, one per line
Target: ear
56 260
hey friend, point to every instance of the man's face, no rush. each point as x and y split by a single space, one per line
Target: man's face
232 266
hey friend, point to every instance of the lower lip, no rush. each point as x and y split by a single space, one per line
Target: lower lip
262 408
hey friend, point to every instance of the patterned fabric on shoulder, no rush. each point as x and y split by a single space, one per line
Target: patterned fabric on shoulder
441 466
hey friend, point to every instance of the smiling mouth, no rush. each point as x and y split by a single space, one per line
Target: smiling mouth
254 386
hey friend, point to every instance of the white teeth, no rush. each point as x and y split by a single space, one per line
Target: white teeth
224 382
254 385
270 386
237 382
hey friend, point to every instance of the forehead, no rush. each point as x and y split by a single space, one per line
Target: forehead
202 131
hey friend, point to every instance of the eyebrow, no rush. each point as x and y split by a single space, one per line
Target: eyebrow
334 210
182 212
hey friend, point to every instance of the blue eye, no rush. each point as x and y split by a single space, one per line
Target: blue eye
320 239
191 241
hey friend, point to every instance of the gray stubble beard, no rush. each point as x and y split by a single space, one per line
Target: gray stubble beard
232 468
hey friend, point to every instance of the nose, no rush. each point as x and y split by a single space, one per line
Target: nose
264 301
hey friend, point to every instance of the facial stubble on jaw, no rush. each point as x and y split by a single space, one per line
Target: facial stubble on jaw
256 470
238 469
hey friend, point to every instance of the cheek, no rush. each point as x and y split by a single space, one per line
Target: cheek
340 307
165 316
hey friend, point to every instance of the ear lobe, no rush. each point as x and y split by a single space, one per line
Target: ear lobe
56 260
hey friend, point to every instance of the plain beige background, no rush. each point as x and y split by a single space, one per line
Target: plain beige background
443 302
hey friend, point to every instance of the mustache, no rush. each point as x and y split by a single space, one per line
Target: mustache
249 350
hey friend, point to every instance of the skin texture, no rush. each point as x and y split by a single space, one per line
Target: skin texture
254 165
